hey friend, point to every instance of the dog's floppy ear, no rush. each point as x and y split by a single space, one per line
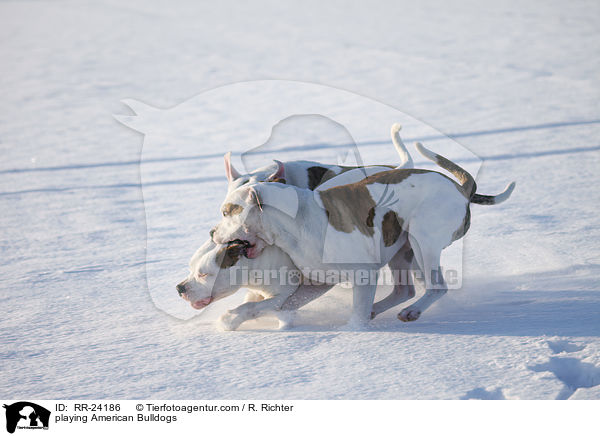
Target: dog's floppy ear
231 172
281 197
253 198
279 174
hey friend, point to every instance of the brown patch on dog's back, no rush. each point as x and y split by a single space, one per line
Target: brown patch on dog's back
391 227
230 209
398 175
395 176
371 217
319 175
349 207
228 255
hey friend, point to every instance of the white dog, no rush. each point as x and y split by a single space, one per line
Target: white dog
277 287
369 221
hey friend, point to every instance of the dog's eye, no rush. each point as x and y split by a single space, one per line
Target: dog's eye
225 213
202 275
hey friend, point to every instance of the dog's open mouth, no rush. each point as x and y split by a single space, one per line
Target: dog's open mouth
247 246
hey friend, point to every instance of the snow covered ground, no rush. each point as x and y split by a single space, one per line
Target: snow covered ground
513 82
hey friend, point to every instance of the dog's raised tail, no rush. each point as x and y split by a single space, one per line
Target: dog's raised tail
465 179
405 159
494 199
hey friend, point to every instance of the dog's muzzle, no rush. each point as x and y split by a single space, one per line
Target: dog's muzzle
201 304
198 304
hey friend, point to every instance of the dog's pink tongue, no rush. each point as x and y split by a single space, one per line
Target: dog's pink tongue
252 252
200 304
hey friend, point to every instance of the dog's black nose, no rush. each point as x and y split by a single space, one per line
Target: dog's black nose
180 288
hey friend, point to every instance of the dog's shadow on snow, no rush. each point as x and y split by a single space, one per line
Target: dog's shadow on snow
511 313
533 313
498 308
482 308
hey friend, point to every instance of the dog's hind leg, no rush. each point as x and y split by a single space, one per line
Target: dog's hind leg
404 289
428 258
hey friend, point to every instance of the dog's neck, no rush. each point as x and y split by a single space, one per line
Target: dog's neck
282 230
290 232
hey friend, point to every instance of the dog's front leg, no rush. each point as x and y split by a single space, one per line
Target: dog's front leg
232 319
362 303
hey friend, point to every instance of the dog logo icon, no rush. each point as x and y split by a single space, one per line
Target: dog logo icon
26 415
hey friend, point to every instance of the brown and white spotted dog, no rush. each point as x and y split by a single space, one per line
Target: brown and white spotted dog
311 175
348 226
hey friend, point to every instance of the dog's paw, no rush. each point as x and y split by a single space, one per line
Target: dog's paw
409 314
284 325
356 324
253 297
229 322
286 319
